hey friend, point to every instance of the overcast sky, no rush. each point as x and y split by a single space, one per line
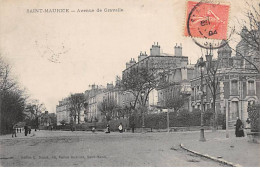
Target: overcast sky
89 47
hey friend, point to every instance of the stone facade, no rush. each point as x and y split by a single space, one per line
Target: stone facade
62 111
175 66
94 96
237 89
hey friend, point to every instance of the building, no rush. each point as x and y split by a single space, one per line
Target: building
47 119
94 97
237 88
175 67
62 111
64 114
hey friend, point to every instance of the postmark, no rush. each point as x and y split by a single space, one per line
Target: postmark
208 21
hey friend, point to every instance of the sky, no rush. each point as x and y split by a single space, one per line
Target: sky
55 54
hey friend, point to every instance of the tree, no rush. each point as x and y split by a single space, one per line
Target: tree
12 99
175 100
249 46
213 79
124 111
76 105
138 81
107 109
35 109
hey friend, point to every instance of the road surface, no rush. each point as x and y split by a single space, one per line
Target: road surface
60 148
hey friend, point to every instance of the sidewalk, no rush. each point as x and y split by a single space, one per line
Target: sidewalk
238 151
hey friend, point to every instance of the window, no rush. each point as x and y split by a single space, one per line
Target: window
251 87
234 87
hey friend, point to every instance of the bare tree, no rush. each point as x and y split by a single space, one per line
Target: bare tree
35 109
124 111
76 105
214 72
108 109
12 99
249 46
138 81
175 100
6 81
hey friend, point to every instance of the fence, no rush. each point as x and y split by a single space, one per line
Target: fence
254 116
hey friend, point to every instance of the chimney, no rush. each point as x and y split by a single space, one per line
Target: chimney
155 50
142 56
178 50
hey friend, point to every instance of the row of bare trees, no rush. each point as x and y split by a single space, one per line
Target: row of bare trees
15 105
12 99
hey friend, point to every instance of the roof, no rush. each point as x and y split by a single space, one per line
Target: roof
226 46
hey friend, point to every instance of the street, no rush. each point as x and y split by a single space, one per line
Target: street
62 148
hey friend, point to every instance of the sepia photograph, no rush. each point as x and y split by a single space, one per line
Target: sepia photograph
118 83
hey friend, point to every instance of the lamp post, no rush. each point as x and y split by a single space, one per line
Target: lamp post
201 64
142 109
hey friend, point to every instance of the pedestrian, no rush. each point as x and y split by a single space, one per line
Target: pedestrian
248 126
133 128
14 131
25 130
29 130
93 129
239 128
108 129
120 128
72 128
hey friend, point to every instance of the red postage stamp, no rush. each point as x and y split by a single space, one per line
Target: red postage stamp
207 20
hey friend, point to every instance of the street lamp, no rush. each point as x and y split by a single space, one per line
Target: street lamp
142 108
201 64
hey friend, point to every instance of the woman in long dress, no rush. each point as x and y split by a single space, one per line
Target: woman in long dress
239 128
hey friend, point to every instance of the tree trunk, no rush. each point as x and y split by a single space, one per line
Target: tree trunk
215 113
1 119
78 117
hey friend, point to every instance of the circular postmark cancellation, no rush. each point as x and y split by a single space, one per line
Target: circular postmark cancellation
207 23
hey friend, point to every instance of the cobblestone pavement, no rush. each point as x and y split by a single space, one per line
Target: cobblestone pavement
60 148
236 150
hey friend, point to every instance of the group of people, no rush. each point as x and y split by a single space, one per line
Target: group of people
239 132
15 130
120 128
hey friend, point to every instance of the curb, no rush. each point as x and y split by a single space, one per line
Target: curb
210 157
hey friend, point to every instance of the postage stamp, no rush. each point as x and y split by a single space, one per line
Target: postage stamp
207 20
